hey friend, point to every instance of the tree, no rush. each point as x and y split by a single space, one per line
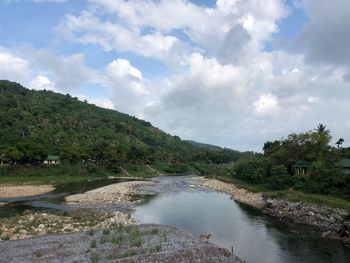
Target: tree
13 154
322 129
271 147
340 142
321 139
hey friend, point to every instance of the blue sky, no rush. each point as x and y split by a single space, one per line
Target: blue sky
224 72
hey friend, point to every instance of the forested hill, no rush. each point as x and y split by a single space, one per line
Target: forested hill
209 147
35 124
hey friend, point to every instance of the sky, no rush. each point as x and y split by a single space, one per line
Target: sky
234 73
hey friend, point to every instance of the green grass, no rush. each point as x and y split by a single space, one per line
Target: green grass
42 179
155 231
106 232
95 257
156 248
39 253
290 194
128 253
250 187
117 239
293 195
136 242
91 232
104 239
164 237
93 243
51 174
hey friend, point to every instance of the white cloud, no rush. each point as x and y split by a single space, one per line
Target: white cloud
130 93
115 36
146 27
312 99
68 72
266 104
101 102
13 67
122 68
42 83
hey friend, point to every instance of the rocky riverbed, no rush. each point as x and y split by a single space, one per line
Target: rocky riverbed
237 193
132 243
333 222
39 224
110 194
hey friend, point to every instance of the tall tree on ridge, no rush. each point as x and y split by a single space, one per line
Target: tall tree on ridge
340 142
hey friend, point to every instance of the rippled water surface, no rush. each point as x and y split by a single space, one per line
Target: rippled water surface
253 236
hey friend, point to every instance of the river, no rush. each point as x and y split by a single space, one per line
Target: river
254 236
181 202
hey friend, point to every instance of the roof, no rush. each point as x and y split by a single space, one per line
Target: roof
4 158
53 158
302 163
344 163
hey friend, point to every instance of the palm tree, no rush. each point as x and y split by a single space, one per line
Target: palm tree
340 142
322 129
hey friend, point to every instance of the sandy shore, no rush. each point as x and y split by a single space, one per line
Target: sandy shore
10 191
237 193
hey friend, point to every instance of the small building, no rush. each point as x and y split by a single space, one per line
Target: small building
344 165
52 160
4 160
301 167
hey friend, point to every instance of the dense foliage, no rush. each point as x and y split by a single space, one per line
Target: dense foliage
35 124
276 167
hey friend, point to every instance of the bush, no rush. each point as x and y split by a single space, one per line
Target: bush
253 170
280 178
328 181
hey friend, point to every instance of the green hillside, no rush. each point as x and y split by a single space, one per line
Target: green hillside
35 124
209 147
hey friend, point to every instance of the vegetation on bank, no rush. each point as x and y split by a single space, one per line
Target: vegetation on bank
276 174
288 194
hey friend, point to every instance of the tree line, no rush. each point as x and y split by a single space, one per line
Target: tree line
276 167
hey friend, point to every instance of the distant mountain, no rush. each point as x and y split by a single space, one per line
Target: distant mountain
35 124
209 147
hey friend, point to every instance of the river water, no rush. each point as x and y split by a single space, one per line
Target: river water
254 236
181 202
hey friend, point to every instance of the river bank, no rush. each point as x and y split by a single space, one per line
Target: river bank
333 223
132 243
237 193
12 191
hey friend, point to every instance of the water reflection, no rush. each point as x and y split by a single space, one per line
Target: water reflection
254 237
